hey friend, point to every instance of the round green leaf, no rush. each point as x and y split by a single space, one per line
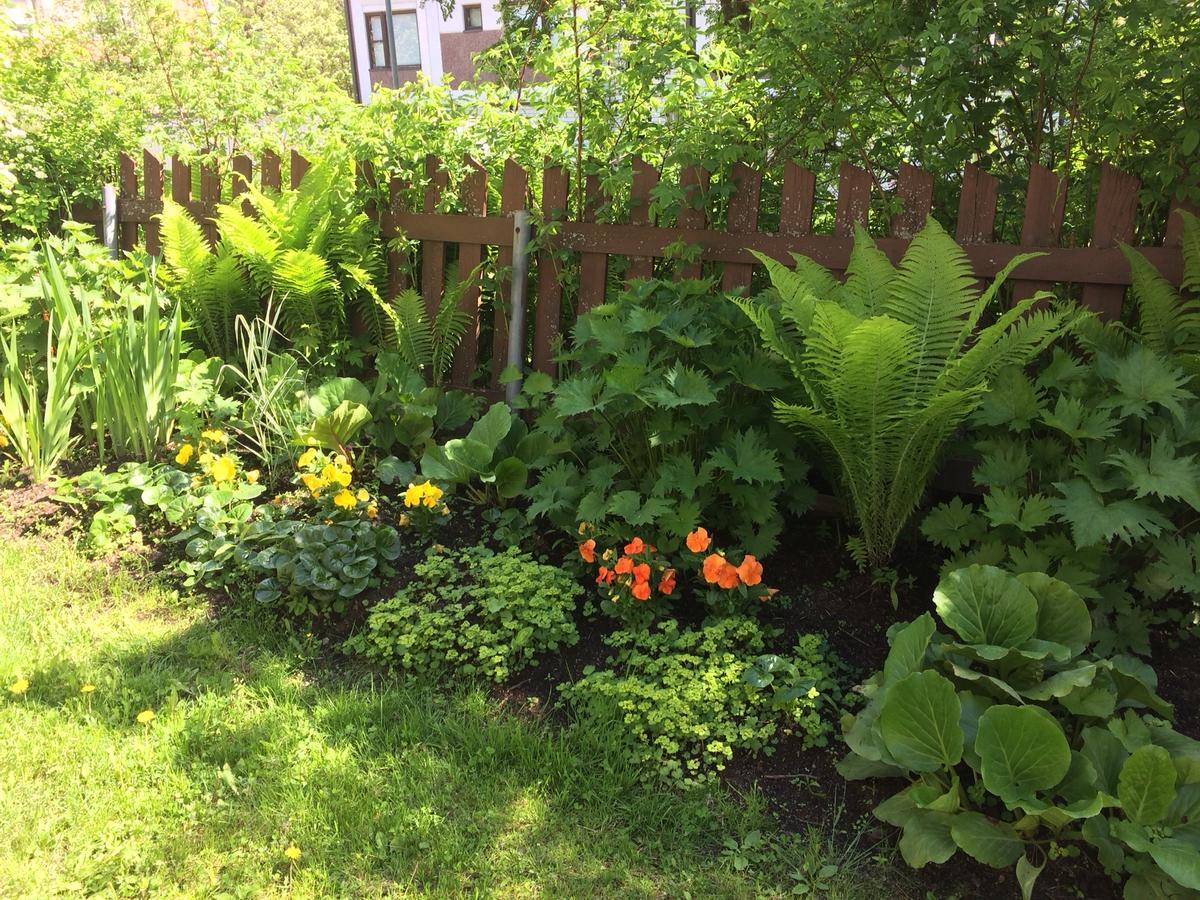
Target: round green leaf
927 838
993 843
336 391
1022 750
986 605
919 722
907 653
511 476
1062 616
1147 784
1178 859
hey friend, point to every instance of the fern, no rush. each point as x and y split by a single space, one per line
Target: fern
891 361
425 345
1169 320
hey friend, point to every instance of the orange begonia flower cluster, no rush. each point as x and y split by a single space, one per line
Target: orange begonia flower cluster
638 570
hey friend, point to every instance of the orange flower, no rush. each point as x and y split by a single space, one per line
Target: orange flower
641 590
667 584
698 541
750 571
634 547
604 576
588 550
641 573
624 566
728 576
713 564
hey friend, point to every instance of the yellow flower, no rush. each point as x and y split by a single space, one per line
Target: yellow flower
344 499
314 483
3 440
145 717
292 853
307 457
341 462
19 687
88 688
252 476
426 493
214 436
372 511
403 520
813 693
184 456
223 469
362 495
335 475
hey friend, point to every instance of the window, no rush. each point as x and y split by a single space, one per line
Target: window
472 18
408 44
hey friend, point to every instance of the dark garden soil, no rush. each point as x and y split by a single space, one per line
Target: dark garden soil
826 595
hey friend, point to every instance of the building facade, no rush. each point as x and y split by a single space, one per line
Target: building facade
440 47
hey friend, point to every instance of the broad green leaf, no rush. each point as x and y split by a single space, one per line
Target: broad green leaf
986 605
492 427
1146 786
511 477
927 838
919 722
907 653
1178 859
339 427
1062 617
853 767
1022 750
1027 875
391 470
336 391
473 455
991 842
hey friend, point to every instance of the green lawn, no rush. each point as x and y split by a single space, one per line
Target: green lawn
387 789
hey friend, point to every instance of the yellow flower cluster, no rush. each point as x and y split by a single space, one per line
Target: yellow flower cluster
427 494
336 473
221 467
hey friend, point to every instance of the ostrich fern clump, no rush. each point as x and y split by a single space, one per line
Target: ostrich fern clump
307 251
890 362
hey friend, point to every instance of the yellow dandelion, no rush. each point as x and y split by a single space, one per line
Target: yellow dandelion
88 688
145 717
184 456
293 853
19 687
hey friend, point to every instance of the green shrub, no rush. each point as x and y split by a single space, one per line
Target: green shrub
667 423
1090 468
688 698
891 362
1016 738
475 612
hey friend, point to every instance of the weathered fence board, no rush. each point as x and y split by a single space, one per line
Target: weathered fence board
1100 267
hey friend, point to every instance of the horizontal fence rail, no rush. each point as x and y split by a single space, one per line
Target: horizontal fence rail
467 235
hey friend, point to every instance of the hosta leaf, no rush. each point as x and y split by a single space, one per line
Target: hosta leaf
985 605
991 842
1146 785
1062 616
919 722
1022 750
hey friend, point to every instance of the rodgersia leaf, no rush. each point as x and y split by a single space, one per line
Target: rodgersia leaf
747 458
1003 507
1163 474
1144 380
1093 521
953 525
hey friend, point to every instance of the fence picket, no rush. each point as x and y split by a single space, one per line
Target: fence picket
1045 205
243 172
593 267
514 189
152 191
645 179
210 196
398 274
915 189
743 219
433 253
298 169
796 201
1116 212
128 190
268 172
693 181
977 206
474 200
181 182
555 184
853 199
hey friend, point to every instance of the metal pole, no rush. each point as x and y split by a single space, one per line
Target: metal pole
391 43
516 322
108 224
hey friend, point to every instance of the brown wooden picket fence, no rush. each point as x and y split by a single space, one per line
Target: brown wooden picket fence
1099 267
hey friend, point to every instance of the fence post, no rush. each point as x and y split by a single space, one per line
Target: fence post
520 279
108 221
